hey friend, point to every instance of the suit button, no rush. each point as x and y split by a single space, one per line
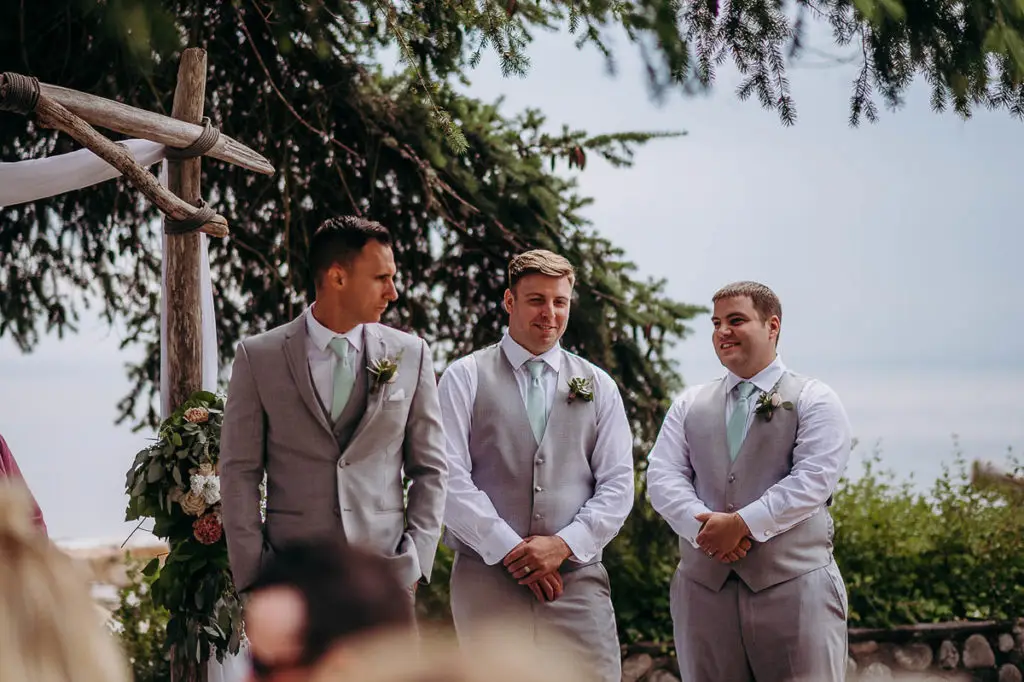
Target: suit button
538 516
540 460
538 489
732 477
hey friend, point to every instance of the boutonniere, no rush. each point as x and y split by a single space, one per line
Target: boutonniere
384 371
767 403
580 388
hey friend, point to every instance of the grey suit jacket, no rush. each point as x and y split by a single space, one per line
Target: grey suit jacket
273 422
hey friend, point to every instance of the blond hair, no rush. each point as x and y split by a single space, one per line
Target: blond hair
765 302
490 653
50 628
539 262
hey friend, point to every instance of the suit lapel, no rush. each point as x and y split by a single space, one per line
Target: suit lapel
374 349
298 363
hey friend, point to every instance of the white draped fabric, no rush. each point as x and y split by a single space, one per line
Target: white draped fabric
25 181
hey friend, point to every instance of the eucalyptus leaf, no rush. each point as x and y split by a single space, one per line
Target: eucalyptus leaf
155 472
177 477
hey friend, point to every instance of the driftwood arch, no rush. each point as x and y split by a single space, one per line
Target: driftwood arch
186 214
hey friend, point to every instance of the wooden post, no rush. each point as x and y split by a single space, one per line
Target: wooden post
184 305
184 311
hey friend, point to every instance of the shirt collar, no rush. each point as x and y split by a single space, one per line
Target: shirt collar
519 356
321 336
764 380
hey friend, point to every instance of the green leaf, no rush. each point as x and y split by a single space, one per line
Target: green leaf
176 439
151 568
177 477
155 472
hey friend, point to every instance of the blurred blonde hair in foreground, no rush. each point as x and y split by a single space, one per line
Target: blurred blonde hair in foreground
492 654
50 628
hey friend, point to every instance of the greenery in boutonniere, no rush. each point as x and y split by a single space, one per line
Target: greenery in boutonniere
384 371
767 403
581 388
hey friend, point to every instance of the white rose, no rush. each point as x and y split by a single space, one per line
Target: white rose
196 484
211 491
776 400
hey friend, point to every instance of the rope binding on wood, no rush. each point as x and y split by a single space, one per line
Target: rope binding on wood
18 93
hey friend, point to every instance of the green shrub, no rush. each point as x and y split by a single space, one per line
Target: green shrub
955 552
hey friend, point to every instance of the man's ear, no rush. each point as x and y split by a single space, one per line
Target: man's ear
508 300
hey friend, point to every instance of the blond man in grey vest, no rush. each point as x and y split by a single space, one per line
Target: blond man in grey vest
335 407
743 470
541 475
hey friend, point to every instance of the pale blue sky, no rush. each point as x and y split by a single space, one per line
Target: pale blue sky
892 247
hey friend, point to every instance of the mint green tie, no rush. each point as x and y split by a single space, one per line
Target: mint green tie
536 400
344 377
738 421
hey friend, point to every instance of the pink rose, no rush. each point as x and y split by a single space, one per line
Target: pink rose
197 415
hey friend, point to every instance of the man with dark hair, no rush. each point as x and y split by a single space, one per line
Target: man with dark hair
312 596
335 408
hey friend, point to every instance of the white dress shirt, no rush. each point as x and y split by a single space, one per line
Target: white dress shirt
469 512
322 360
819 459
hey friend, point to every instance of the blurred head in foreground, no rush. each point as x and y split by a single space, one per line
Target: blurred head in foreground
315 596
495 654
50 628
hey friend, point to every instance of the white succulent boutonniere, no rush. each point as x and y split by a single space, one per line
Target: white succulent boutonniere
767 403
581 388
384 371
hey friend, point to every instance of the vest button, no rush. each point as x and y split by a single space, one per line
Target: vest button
540 460
538 489
538 516
730 507
732 477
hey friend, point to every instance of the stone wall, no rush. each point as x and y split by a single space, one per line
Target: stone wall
986 651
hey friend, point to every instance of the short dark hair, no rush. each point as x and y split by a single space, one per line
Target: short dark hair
339 239
346 591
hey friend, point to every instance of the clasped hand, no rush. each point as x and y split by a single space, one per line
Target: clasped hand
535 561
723 536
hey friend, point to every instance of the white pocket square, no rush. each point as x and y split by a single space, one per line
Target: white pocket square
397 395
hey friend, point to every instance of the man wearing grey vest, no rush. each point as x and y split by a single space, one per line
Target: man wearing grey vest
743 470
541 476
335 407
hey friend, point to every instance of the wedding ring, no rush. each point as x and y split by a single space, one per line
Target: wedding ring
711 554
527 569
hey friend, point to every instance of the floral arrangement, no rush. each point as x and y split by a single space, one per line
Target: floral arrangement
175 482
767 403
384 371
581 388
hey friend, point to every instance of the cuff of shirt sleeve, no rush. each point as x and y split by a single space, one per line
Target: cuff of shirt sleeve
692 528
759 521
498 543
576 536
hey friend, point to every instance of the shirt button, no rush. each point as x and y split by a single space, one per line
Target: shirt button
538 489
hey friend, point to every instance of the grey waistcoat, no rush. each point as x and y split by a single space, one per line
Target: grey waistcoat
537 490
764 459
345 425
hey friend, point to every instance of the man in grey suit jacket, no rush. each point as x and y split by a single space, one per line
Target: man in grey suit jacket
334 408
541 461
743 470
